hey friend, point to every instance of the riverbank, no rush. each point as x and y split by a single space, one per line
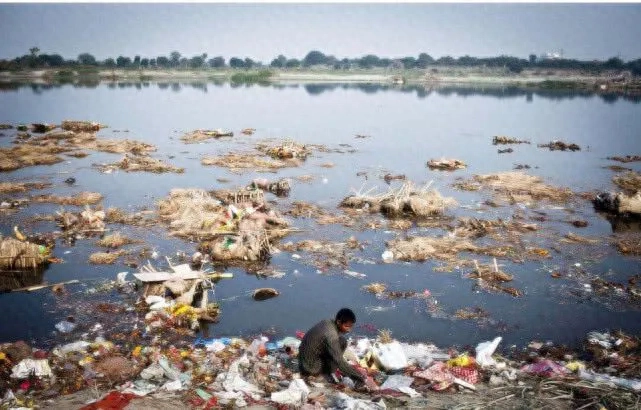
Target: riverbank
551 79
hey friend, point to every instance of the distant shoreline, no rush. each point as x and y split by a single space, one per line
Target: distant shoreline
553 79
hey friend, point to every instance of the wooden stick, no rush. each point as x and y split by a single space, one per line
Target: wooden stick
38 287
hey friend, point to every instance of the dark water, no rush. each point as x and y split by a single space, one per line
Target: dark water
408 126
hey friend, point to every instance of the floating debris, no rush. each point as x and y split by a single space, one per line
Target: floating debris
134 163
115 240
446 164
105 258
12 187
501 139
629 181
81 126
80 199
560 146
204 135
265 293
625 159
519 187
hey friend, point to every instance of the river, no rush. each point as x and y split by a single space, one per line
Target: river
406 128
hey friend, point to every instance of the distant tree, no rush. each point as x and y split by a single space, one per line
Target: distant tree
162 61
174 58
144 63
123 62
196 62
53 60
249 63
424 60
293 63
184 61
109 63
314 58
408 62
236 62
532 59
446 60
33 51
87 59
614 63
136 62
152 63
467 61
217 62
368 61
279 62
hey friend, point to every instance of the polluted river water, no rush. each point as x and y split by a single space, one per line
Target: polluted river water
366 132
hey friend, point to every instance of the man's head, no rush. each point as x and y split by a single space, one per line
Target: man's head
345 319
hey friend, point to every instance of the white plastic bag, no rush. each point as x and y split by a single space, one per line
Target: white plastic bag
485 350
390 356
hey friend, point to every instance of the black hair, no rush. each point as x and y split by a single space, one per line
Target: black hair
345 315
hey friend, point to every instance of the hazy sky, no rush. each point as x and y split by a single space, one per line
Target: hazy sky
262 31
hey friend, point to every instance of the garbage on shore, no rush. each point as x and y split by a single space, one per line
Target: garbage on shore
204 135
446 164
560 146
502 139
230 371
134 163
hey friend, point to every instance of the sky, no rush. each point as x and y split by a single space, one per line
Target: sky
263 31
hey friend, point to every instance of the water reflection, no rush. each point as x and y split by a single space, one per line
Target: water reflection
313 89
12 280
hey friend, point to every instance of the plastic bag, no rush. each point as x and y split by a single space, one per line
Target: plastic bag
65 326
390 356
485 350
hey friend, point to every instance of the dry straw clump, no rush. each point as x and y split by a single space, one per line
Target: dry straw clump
133 163
26 155
104 258
421 248
123 146
286 150
446 164
204 135
404 201
376 288
115 240
80 199
15 254
247 161
73 125
10 187
192 212
520 187
629 181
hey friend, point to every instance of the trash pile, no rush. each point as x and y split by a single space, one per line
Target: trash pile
204 135
227 230
279 188
446 164
232 372
238 162
84 223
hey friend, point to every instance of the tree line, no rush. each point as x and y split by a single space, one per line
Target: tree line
315 58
